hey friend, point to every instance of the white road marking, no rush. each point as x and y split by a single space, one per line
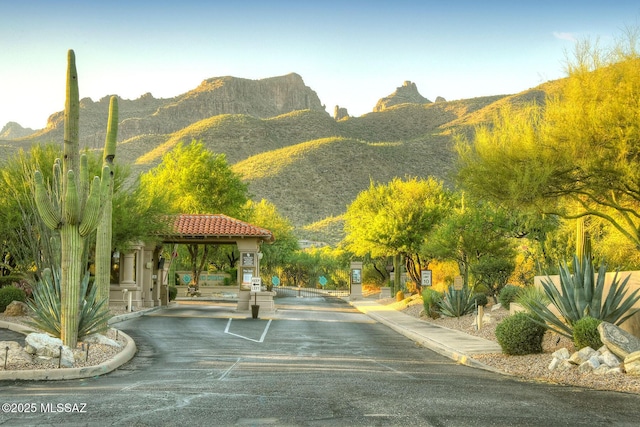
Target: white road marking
264 333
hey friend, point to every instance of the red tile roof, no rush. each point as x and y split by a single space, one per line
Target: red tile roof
217 225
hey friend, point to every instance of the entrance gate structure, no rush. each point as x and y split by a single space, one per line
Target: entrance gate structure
143 273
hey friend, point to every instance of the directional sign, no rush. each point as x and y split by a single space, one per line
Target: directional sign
322 280
256 284
275 281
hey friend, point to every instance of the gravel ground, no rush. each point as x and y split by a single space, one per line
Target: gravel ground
531 367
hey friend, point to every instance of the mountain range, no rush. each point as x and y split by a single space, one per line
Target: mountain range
279 136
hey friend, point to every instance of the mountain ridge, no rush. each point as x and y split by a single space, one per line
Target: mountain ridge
309 164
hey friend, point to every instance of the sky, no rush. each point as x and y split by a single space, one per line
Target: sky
351 53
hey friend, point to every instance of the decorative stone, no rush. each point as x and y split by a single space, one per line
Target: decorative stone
562 354
608 358
590 364
16 308
101 339
555 362
632 363
579 357
43 345
495 307
618 341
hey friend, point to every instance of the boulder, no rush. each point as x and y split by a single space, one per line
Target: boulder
579 357
101 339
16 308
43 345
15 355
618 341
608 358
562 354
632 363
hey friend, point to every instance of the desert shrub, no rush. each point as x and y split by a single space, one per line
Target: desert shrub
585 333
173 292
93 314
480 299
531 295
8 294
520 334
430 300
581 293
399 296
507 295
456 303
9 280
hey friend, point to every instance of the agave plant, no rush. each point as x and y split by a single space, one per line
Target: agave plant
581 294
45 304
456 303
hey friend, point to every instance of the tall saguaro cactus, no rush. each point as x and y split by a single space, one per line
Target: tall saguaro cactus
104 233
72 208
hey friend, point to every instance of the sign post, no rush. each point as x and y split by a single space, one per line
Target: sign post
256 286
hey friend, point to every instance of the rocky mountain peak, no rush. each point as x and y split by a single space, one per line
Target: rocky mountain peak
407 93
13 130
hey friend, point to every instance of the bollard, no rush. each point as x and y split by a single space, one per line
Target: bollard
480 316
60 357
6 356
87 355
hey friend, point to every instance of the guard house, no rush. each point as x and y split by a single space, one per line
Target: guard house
143 273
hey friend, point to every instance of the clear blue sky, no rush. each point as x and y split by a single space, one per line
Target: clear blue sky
350 52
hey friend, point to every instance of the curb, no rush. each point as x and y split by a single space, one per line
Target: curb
110 365
75 373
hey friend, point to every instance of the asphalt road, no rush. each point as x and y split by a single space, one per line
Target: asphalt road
320 363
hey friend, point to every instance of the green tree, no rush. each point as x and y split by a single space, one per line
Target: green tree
575 156
264 214
394 219
471 234
193 180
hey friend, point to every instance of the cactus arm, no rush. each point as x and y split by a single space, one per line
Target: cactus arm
71 200
85 182
92 210
112 132
50 216
104 230
71 117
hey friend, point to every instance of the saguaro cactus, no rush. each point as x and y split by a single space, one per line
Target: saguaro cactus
104 233
72 208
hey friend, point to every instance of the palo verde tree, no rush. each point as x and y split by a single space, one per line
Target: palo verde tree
193 180
73 207
394 220
576 156
475 235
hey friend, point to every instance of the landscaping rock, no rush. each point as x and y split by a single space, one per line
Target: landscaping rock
608 358
618 341
16 308
632 363
583 355
43 345
101 339
562 354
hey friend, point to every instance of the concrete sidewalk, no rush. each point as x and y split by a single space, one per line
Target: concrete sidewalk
448 342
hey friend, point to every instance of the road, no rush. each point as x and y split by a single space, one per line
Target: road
317 363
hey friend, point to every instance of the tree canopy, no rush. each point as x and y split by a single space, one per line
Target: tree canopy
194 180
394 219
577 155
